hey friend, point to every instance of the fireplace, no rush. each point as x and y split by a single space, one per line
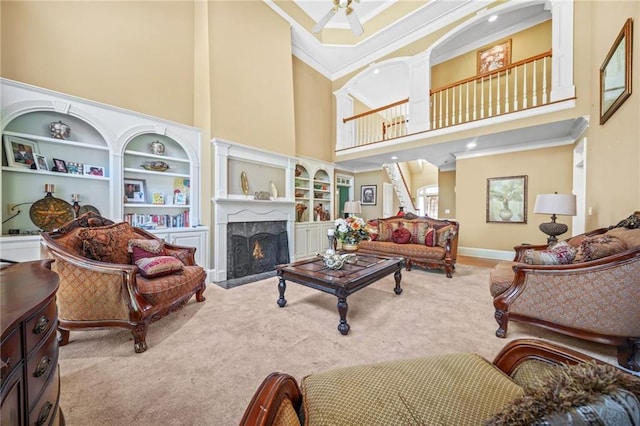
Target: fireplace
255 248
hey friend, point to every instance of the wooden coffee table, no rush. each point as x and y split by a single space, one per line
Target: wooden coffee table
368 269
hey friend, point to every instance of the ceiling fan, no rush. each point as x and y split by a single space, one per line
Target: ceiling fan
350 13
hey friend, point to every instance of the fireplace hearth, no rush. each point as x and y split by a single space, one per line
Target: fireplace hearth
254 250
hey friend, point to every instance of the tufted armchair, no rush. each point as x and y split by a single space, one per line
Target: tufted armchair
595 297
451 389
101 288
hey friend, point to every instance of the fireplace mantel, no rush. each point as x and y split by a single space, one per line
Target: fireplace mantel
231 207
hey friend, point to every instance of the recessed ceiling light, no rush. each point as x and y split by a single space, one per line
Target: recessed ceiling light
493 18
471 145
394 158
376 71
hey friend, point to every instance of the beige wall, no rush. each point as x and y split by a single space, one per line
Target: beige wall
547 170
251 76
613 149
447 194
135 55
313 112
376 177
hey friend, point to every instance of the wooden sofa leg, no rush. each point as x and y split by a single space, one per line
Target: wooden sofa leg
502 317
629 355
408 266
140 337
63 337
199 293
448 269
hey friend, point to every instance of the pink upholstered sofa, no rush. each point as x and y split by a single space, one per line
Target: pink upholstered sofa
421 240
595 297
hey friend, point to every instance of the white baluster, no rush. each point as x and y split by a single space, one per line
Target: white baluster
506 92
475 101
534 85
515 89
498 96
544 81
524 86
466 114
482 98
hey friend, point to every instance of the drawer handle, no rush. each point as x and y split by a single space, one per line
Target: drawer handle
42 367
41 325
44 413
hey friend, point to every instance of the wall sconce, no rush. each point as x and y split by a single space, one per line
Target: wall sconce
351 208
555 204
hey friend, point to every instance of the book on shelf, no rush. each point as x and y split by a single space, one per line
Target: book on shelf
158 221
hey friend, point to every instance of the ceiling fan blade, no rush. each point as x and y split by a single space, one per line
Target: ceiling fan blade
354 22
326 18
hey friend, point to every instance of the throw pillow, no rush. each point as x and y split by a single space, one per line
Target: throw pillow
418 229
630 237
401 235
386 228
586 393
141 248
107 243
599 246
372 226
152 267
442 235
430 238
560 254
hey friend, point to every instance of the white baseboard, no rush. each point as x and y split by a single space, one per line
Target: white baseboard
486 253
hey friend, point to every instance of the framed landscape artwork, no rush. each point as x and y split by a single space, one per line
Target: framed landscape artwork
507 199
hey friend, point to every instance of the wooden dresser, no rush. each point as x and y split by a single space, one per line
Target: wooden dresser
30 374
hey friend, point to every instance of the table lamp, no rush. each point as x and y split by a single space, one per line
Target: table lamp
555 204
351 208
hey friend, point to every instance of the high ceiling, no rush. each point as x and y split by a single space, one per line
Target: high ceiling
391 24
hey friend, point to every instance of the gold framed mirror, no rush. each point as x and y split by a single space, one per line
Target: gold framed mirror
615 73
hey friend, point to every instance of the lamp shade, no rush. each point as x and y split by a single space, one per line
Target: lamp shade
352 207
558 204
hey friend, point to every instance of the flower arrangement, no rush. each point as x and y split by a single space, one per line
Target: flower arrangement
351 230
300 208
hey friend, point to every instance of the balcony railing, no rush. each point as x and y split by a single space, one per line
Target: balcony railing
519 86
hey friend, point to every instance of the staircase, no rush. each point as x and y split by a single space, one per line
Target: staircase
400 187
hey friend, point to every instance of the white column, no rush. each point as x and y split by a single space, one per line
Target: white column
562 86
345 136
419 82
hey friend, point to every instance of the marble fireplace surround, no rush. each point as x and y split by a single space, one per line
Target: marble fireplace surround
231 207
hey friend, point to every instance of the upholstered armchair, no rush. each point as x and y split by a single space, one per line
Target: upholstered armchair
595 296
115 275
523 382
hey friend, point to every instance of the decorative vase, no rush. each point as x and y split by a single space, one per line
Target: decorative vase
59 130
349 247
157 148
505 214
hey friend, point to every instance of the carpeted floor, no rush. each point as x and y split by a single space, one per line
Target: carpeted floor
205 361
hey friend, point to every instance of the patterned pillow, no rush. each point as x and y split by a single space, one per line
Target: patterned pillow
599 246
372 226
141 248
442 235
560 254
386 228
418 229
151 267
430 238
401 236
107 243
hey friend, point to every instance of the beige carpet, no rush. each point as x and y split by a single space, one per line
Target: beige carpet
205 361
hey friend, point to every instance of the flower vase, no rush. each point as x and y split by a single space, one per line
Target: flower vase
349 246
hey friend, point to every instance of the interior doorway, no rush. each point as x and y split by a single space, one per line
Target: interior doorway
344 192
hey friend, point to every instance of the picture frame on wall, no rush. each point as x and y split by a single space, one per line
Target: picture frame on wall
368 195
507 199
135 191
495 57
615 73
20 152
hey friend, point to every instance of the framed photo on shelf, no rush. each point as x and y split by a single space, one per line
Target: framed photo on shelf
41 162
157 198
60 165
507 199
368 195
93 170
74 168
180 199
494 57
134 191
20 152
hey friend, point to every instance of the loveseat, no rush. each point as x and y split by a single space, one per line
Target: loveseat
593 294
115 275
528 381
421 240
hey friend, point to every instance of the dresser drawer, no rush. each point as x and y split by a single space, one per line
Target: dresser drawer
47 406
38 325
40 366
11 353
